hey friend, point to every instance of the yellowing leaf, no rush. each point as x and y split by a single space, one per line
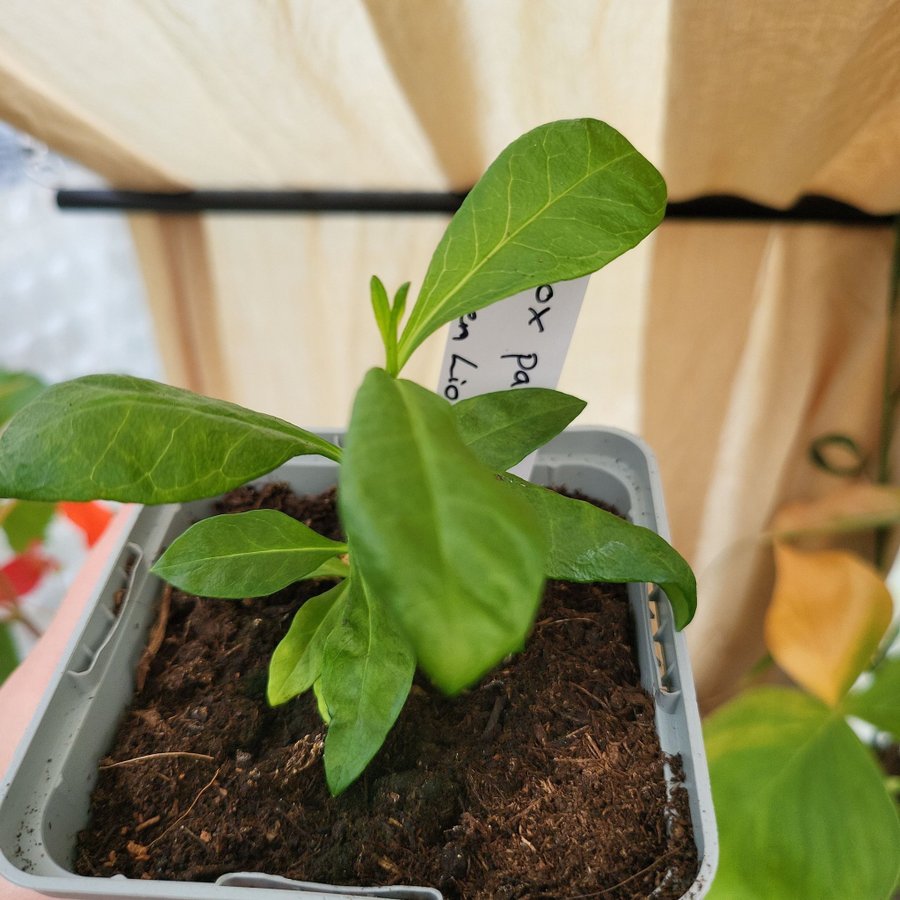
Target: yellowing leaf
828 613
855 507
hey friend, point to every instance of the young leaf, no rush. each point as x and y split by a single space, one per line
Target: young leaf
503 427
828 613
249 554
879 703
297 660
25 522
399 306
9 659
367 672
16 390
382 308
457 558
590 544
801 807
115 437
559 202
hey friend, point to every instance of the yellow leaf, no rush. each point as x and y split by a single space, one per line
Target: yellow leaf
855 507
828 613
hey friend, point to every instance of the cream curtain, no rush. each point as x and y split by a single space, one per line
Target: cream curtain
728 346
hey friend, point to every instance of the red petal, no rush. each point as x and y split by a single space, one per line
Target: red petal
23 572
92 518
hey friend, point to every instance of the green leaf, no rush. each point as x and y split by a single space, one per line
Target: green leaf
297 661
116 437
9 659
879 702
399 306
590 544
801 807
26 522
16 390
381 307
503 427
320 701
249 554
366 676
559 202
331 568
458 559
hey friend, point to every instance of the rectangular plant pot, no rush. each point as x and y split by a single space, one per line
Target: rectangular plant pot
45 796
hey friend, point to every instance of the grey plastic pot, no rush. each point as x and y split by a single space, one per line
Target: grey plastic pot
45 796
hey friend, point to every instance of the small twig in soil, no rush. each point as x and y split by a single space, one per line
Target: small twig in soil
157 634
147 823
592 746
187 812
494 717
167 755
625 881
588 693
544 622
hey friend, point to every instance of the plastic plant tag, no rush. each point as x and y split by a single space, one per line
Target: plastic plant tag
520 341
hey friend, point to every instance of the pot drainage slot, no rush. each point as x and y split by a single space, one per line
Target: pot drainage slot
276 882
661 632
103 624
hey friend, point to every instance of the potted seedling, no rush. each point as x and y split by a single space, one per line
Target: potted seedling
443 556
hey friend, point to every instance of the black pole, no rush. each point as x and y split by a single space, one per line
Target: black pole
245 201
811 208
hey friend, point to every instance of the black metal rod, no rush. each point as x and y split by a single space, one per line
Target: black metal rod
811 208
261 201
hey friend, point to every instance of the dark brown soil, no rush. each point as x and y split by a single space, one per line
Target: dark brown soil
546 781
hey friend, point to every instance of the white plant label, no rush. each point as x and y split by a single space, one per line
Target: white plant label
521 341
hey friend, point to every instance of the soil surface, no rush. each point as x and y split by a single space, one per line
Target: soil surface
545 781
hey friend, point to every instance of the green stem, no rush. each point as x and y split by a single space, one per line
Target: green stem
391 364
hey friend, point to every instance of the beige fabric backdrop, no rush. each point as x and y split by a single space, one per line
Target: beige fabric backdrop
729 346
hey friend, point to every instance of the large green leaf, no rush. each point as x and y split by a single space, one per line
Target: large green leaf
501 428
9 659
590 544
367 671
559 202
120 438
879 702
249 554
457 557
26 521
801 807
16 390
297 660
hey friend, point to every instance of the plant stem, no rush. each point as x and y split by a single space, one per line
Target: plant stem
16 616
888 392
391 357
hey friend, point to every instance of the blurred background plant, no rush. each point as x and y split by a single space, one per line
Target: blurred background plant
29 556
73 302
805 776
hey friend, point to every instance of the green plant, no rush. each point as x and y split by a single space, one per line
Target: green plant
446 558
802 805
